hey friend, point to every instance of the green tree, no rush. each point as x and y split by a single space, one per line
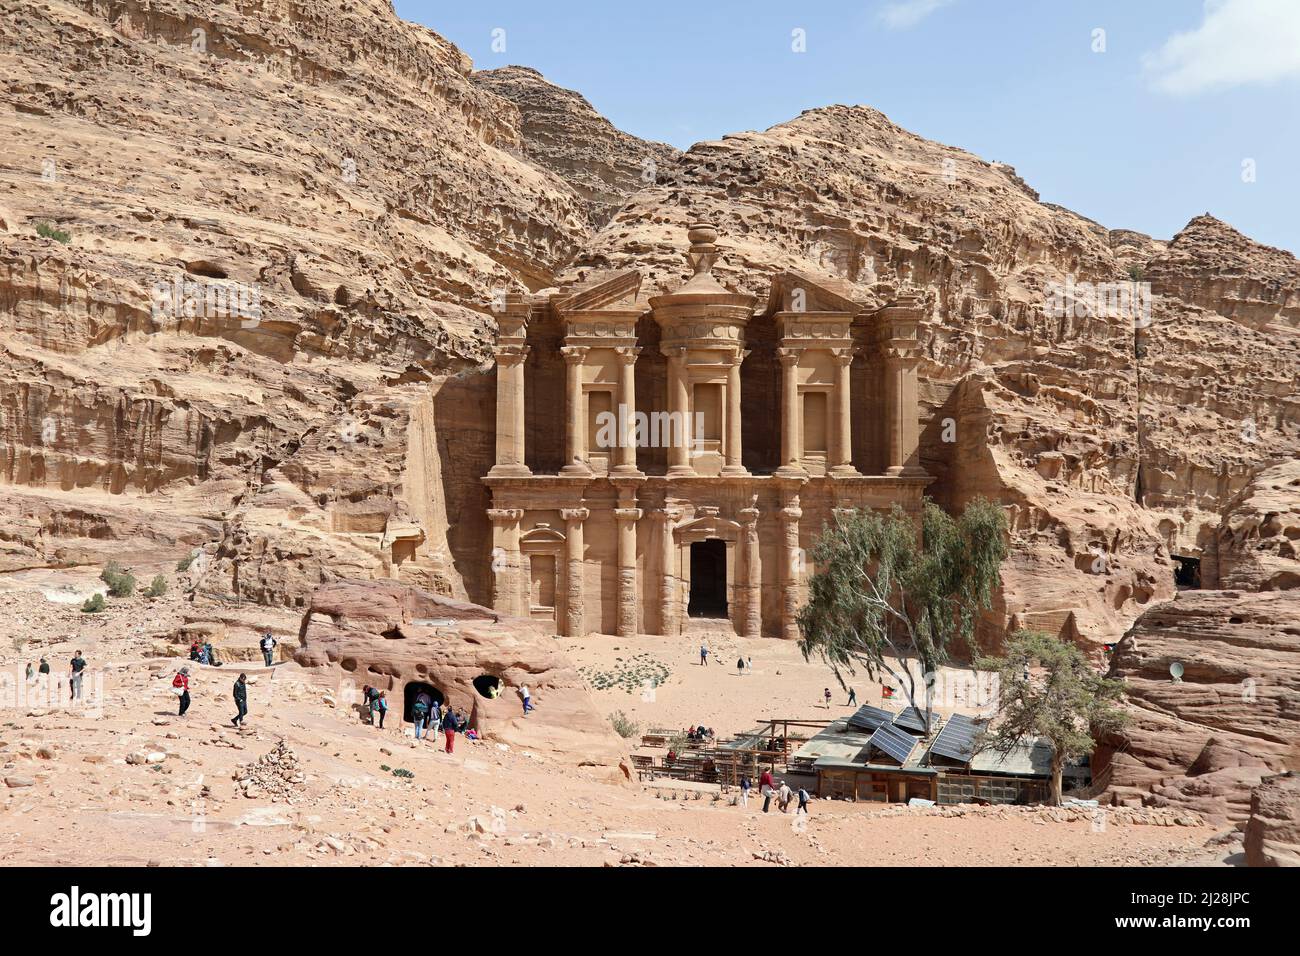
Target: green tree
882 595
1069 704
120 583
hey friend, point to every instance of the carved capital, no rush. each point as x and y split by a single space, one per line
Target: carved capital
511 354
505 515
627 354
574 354
575 514
789 357
627 514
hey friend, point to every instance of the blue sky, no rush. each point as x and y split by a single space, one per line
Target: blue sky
1163 117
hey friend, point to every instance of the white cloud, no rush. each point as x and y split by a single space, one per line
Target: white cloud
1240 42
903 14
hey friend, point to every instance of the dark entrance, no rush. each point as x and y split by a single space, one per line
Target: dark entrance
413 690
1187 572
708 579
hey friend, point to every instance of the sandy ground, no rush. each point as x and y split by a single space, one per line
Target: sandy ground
70 796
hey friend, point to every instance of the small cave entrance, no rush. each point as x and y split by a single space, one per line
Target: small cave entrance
1187 572
413 691
489 686
708 579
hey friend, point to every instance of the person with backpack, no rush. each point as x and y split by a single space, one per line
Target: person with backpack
74 682
420 712
181 688
704 655
241 700
744 791
803 802
268 648
379 706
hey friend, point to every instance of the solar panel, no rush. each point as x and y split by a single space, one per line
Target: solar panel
868 718
892 741
913 720
956 740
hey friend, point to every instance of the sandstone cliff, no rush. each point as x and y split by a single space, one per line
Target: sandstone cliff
562 133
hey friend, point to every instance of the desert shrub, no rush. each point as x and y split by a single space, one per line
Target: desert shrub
624 725
157 587
46 230
403 772
184 563
94 605
121 583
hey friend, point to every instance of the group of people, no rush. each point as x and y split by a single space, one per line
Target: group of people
202 652
700 733
427 714
784 795
76 672
181 688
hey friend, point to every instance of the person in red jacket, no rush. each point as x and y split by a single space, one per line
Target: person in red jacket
182 680
765 788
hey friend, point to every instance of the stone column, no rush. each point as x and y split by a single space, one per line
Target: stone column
901 426
574 593
669 619
575 425
627 517
506 564
753 624
842 456
510 411
793 568
735 464
791 441
679 406
626 412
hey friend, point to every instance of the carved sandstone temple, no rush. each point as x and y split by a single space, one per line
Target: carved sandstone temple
662 465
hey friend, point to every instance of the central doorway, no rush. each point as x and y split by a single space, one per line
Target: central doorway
413 690
708 579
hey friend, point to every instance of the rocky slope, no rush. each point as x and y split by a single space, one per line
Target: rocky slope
270 219
562 133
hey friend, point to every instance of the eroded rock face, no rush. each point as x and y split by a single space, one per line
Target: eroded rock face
1256 544
1273 830
1232 720
561 132
279 217
391 636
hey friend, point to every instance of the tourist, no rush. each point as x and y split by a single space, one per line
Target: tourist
740 667
268 647
74 682
196 651
31 670
211 655
45 666
853 697
527 699
765 788
744 791
241 700
704 655
803 802
783 796
379 706
435 719
826 694
181 688
449 729
420 712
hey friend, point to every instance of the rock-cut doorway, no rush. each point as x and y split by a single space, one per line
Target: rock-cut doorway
708 579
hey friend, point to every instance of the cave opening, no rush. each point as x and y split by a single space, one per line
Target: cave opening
412 693
1187 572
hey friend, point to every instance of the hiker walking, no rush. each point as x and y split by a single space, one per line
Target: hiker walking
527 698
420 712
435 719
45 666
181 687
744 791
826 695
268 647
740 667
803 802
783 797
241 700
704 654
379 705
74 682
765 788
853 697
